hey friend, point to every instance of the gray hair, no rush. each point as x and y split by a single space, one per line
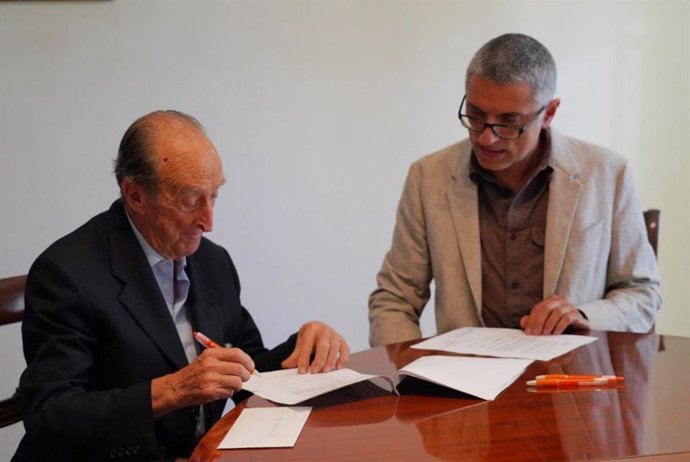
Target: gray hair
516 58
135 158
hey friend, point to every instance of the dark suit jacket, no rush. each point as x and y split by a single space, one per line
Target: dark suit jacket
96 331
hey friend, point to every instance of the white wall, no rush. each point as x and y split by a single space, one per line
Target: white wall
317 108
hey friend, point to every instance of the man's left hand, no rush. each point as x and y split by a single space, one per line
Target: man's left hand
330 349
553 315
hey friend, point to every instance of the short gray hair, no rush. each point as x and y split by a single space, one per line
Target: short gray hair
135 156
516 58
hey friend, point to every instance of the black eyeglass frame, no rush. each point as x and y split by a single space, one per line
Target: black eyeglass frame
520 130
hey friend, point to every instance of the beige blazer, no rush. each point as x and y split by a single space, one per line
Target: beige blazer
596 255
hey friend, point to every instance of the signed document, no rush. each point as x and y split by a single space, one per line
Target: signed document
504 343
484 378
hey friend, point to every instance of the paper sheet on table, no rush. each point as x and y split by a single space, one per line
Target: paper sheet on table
484 378
481 377
288 387
504 343
266 427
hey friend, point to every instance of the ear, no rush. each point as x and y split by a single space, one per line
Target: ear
133 195
550 112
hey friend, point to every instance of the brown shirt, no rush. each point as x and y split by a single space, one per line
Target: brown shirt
512 227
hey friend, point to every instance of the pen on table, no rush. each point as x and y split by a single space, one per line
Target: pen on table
208 343
609 378
572 389
566 382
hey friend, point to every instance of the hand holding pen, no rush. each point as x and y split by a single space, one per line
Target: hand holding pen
205 341
216 374
208 343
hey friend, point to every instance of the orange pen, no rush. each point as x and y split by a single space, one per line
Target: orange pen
208 343
609 378
205 341
566 382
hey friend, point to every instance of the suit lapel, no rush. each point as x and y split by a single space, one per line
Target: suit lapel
204 301
464 210
564 194
140 294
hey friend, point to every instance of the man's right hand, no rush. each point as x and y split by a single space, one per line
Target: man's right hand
217 373
552 316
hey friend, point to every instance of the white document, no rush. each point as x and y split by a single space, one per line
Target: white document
504 343
266 427
288 387
484 378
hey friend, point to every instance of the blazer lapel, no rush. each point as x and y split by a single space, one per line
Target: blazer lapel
564 194
203 304
140 294
464 210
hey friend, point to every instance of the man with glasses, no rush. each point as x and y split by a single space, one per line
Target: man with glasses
519 226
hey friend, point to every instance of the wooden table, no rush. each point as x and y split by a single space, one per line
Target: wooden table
647 419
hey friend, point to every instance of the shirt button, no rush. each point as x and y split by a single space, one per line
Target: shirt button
515 285
513 236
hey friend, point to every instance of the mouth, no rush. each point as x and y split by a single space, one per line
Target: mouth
488 154
194 234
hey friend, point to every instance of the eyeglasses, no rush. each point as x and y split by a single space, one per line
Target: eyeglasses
502 131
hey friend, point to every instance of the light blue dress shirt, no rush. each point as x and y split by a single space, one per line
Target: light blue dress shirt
164 270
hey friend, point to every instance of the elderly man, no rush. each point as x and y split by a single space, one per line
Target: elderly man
519 225
113 370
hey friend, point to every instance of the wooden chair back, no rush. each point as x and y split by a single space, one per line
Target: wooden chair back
11 311
651 221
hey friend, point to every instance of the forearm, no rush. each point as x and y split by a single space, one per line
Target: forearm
392 319
628 309
165 396
396 305
403 280
270 360
632 297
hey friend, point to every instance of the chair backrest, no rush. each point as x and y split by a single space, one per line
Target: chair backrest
11 311
651 221
12 299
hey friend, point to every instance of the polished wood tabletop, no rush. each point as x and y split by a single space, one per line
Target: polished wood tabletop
646 419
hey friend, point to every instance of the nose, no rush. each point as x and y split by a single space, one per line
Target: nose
487 136
205 217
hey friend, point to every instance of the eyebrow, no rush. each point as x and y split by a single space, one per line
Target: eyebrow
186 191
505 115
189 189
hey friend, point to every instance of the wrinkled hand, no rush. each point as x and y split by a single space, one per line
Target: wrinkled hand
217 373
552 316
330 348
